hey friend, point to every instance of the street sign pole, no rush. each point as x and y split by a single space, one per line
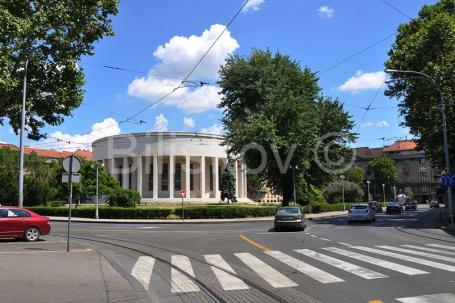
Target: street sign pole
70 199
182 194
97 201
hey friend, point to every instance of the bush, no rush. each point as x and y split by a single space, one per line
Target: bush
124 198
105 212
225 212
334 192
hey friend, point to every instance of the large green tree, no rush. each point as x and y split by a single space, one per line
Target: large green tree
227 185
426 44
273 113
384 172
52 35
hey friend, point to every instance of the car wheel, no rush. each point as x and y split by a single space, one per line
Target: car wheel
32 234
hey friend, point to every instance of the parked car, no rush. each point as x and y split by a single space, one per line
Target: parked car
434 204
361 212
290 217
22 223
394 208
376 206
410 205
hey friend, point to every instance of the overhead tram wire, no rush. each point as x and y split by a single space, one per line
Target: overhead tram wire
397 9
185 80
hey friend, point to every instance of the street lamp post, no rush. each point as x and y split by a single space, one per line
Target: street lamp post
444 128
394 193
342 182
383 192
20 202
97 216
368 182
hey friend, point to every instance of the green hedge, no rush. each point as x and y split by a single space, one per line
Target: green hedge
105 212
225 212
191 212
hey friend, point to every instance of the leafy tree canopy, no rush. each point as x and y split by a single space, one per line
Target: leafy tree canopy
52 35
426 44
227 185
333 193
355 174
384 172
270 101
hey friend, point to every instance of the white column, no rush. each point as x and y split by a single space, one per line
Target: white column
155 176
236 179
125 172
139 174
202 169
217 181
171 176
187 177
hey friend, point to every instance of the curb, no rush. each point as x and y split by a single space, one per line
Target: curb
188 221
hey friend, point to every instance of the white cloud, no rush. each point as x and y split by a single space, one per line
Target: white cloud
189 122
176 58
215 129
326 11
363 81
107 127
367 124
382 123
160 123
253 5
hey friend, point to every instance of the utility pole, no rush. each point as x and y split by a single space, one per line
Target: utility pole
444 131
20 202
342 181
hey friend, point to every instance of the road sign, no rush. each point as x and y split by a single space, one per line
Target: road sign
448 180
76 164
75 179
182 194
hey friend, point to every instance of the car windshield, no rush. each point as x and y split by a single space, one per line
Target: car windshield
359 207
288 211
393 204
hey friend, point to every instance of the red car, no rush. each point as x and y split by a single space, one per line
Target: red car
22 223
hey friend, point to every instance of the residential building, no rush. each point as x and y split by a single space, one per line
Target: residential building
51 154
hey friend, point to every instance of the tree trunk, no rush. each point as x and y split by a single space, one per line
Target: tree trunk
288 189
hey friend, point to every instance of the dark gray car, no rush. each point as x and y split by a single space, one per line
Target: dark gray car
290 217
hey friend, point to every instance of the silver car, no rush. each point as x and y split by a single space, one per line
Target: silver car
290 217
361 212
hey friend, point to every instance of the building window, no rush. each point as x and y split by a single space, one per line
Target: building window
406 171
407 180
191 177
165 177
211 177
219 177
151 177
424 189
178 176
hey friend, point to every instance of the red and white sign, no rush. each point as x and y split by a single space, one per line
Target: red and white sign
182 194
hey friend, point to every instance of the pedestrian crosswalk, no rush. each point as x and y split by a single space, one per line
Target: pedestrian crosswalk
287 269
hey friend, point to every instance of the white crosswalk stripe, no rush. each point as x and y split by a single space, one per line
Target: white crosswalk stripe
439 251
181 283
305 268
349 267
442 246
437 298
227 281
142 270
376 261
418 253
407 258
266 272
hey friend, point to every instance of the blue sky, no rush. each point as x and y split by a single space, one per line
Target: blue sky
167 37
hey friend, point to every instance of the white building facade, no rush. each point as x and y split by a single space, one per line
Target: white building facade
160 165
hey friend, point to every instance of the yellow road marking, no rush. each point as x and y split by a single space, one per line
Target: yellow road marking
254 243
376 301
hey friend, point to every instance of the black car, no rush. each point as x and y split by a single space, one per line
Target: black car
394 208
410 205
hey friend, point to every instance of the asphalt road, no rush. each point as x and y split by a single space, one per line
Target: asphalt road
399 258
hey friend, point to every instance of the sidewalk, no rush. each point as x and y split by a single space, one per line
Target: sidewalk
43 272
190 221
